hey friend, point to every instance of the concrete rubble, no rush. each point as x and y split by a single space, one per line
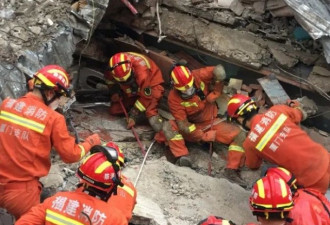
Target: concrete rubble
249 33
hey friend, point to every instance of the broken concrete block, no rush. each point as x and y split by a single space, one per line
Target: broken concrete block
237 7
25 8
274 90
235 83
283 59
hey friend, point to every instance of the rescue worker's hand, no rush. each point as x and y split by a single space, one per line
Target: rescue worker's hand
130 123
219 73
307 106
212 97
209 136
115 97
93 139
293 103
198 134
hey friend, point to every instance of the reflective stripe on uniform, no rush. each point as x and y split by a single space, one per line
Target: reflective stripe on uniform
189 104
139 106
21 121
271 132
83 151
143 57
177 137
129 190
192 127
202 86
236 148
109 82
128 90
59 219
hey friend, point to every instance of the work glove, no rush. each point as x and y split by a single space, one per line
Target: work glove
305 105
93 139
130 123
198 134
209 136
115 97
219 73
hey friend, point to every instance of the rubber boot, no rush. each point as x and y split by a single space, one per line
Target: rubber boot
184 161
234 176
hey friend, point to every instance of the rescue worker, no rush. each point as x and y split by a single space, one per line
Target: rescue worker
29 128
271 201
310 206
276 137
140 81
192 104
125 199
215 220
99 180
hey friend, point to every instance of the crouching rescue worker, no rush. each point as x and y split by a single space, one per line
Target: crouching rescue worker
125 199
192 104
140 81
276 137
99 180
271 201
310 206
29 128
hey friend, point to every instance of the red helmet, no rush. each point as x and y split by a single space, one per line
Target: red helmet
52 77
286 175
239 105
182 77
271 195
215 220
120 66
98 172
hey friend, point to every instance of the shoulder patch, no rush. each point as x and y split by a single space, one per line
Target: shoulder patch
147 91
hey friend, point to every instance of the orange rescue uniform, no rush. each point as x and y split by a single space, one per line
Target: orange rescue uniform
28 130
310 207
73 208
125 199
276 137
201 114
149 88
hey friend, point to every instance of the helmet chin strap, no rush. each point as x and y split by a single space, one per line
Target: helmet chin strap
44 98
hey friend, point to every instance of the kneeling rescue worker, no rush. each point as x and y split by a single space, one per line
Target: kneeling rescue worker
99 179
192 104
276 137
29 128
140 81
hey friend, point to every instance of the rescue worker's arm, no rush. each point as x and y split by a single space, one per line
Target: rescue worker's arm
205 74
35 216
252 160
190 129
114 88
65 145
216 86
306 106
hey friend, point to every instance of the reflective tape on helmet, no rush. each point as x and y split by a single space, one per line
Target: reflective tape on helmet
21 121
102 167
236 148
261 188
127 189
139 106
57 218
189 104
271 132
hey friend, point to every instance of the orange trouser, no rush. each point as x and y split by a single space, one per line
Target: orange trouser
225 133
18 197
